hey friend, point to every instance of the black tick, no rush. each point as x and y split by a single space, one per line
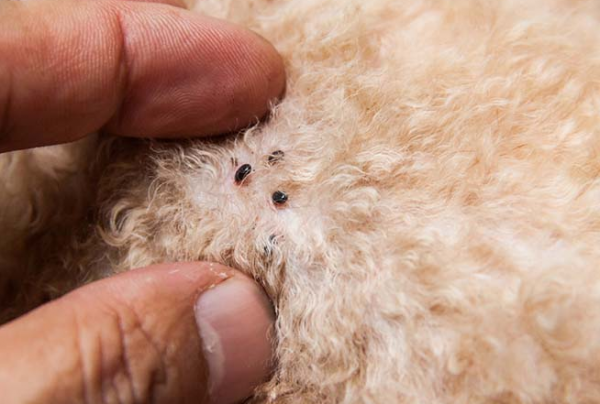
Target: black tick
242 173
279 198
275 157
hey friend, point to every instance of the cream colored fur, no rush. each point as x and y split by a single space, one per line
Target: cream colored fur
441 239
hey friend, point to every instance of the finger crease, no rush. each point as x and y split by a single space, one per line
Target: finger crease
81 363
6 106
159 375
125 360
123 68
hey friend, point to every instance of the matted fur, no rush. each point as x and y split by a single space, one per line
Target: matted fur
440 243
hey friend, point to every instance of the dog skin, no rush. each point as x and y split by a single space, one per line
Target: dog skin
422 207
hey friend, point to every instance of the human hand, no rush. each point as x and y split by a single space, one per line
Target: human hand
180 332
72 67
134 338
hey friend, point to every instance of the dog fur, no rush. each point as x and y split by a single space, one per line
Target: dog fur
440 242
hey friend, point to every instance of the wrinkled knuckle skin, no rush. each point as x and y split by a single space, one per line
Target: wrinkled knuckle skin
126 366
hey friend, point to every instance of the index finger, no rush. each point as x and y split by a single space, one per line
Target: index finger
72 67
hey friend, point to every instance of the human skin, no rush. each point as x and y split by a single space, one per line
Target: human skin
143 70
163 333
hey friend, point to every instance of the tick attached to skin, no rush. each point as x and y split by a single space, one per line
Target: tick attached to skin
275 157
242 173
268 249
279 198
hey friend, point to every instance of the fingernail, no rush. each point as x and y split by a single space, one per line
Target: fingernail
235 320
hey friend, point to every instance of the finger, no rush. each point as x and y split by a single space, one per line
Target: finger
134 338
71 67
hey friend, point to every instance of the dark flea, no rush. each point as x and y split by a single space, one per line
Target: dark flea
275 156
242 173
279 198
268 249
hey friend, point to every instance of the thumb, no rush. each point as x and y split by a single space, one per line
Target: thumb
183 332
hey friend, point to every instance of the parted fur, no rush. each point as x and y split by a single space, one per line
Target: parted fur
440 241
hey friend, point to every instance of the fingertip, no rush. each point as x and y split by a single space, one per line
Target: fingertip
194 75
258 76
235 320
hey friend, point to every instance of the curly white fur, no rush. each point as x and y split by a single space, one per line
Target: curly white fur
440 240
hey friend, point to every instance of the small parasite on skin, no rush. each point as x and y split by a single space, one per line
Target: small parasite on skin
275 157
268 249
279 198
242 173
